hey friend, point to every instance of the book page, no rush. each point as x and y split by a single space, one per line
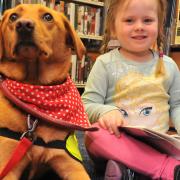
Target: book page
162 142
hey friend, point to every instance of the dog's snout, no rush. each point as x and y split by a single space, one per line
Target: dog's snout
25 26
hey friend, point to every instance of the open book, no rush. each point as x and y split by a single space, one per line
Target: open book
169 144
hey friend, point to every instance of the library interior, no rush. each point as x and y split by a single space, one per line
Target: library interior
87 17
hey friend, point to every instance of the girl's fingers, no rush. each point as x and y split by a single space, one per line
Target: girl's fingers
115 128
106 124
111 124
102 123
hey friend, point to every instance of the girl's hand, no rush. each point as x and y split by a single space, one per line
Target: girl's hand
111 121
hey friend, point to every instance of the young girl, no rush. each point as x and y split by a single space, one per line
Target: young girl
133 85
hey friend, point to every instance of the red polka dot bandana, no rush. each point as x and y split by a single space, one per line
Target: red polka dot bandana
62 102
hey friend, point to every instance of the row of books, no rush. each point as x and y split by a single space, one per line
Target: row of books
80 69
172 26
86 19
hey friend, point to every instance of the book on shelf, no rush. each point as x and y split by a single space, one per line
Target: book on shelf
73 67
80 18
80 69
1 8
165 143
70 12
98 23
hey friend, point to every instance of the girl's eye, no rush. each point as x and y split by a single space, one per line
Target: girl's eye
47 17
146 111
123 112
129 21
13 17
148 20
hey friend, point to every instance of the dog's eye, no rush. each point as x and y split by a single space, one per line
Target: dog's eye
47 17
13 17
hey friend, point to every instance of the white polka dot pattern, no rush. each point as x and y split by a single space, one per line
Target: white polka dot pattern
62 102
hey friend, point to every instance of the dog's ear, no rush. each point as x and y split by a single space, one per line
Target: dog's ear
1 43
1 34
74 40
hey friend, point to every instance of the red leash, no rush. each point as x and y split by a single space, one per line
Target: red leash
23 146
17 155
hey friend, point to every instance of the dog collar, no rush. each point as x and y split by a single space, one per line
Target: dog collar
57 104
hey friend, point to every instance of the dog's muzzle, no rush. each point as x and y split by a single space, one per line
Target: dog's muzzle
25 41
25 28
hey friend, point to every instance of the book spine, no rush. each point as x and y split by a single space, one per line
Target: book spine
70 13
86 20
92 21
1 8
97 21
73 67
80 19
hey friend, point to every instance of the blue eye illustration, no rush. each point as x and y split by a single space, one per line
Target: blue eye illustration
123 112
146 111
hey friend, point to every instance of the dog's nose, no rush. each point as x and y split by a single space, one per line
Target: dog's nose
25 26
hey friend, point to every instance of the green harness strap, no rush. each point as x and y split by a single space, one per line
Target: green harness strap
72 146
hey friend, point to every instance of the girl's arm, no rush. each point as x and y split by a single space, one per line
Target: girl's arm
174 102
96 92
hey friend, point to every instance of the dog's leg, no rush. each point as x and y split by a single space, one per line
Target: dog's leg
16 173
68 168
6 151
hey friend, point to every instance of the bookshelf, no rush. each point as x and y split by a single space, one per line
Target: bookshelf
83 36
87 18
174 30
95 3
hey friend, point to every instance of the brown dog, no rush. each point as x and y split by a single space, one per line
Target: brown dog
35 48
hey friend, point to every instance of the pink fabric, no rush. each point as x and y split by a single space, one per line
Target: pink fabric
131 152
61 102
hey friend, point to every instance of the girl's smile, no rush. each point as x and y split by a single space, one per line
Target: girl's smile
139 37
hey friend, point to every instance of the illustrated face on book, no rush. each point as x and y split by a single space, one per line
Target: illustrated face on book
142 100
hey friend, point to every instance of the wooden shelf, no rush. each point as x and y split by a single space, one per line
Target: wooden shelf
80 85
90 37
101 4
175 45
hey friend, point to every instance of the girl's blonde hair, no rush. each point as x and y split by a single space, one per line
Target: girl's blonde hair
110 21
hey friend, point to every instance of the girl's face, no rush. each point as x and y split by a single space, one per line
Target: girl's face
136 26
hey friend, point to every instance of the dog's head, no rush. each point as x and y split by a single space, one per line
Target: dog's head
37 42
